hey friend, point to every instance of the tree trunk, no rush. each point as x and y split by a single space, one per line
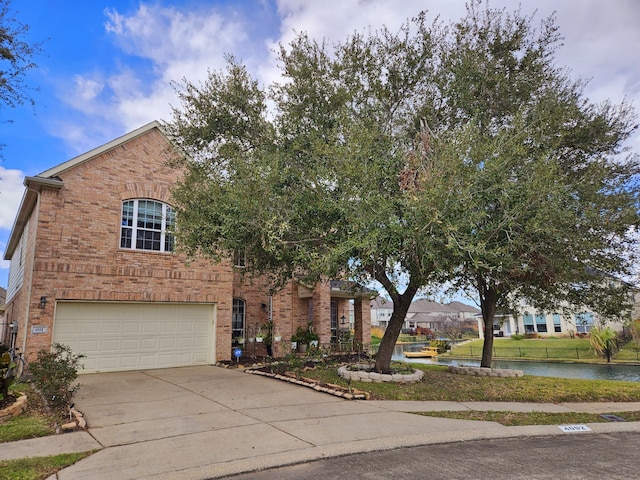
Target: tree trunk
488 304
487 346
401 304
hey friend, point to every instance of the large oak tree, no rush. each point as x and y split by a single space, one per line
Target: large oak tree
405 158
545 196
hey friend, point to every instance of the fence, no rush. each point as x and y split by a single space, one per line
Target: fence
546 353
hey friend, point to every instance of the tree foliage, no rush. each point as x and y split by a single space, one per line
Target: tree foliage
16 58
545 205
436 153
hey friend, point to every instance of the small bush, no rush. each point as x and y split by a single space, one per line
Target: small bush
517 336
5 380
441 345
53 373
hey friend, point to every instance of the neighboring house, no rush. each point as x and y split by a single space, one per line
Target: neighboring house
93 266
427 314
436 316
381 310
466 312
529 320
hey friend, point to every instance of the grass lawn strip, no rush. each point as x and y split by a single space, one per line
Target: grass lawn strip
511 419
28 425
37 468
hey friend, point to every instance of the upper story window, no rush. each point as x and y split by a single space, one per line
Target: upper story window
239 258
147 225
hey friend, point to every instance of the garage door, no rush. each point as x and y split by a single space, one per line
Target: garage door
133 336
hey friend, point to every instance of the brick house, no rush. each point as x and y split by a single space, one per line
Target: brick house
92 266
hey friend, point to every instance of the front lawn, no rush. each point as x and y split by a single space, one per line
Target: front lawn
35 421
564 349
439 384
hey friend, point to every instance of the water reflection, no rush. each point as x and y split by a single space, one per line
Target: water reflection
627 373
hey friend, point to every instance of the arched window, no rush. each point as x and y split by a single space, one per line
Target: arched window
147 225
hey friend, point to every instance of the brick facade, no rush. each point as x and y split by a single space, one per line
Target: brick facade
73 253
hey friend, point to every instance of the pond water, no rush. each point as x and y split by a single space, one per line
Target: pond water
627 373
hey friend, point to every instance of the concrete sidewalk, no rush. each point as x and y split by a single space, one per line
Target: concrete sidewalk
209 422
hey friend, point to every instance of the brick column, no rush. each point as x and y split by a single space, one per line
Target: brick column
362 320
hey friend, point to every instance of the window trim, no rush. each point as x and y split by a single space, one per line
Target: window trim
166 240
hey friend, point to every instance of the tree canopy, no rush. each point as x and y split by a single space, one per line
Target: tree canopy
16 58
434 154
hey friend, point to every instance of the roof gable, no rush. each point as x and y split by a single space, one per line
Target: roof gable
49 180
80 159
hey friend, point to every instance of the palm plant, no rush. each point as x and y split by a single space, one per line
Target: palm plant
603 341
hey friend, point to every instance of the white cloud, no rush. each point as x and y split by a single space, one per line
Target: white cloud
165 44
11 191
162 44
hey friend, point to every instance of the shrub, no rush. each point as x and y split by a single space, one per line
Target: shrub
53 373
441 345
5 381
517 336
604 341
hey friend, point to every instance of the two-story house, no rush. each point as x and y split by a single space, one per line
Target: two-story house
94 265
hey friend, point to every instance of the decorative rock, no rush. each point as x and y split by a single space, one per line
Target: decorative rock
15 408
69 426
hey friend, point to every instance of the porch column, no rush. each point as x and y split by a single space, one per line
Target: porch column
362 322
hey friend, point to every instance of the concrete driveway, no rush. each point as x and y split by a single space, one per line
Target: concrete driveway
208 422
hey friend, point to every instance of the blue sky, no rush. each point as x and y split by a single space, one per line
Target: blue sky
107 65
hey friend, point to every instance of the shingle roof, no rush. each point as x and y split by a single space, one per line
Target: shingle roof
463 307
423 305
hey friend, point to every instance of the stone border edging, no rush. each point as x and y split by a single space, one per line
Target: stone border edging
15 408
485 372
335 390
78 423
363 376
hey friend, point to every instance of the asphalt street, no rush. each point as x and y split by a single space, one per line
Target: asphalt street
575 456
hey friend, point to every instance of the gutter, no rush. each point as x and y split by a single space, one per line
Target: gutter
34 186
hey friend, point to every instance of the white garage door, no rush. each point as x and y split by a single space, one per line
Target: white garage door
132 336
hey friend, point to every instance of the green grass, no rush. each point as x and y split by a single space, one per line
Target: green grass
37 468
438 384
35 421
565 349
511 419
552 349
628 353
28 425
